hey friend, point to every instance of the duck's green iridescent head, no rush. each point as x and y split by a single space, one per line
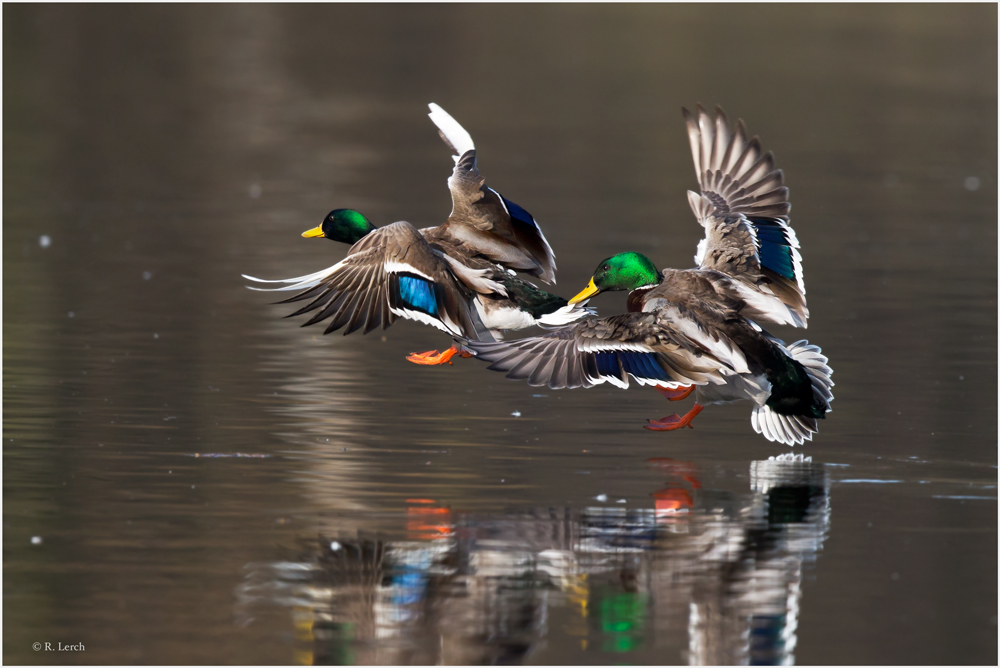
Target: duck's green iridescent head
625 271
345 225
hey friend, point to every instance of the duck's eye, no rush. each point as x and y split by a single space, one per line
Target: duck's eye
606 268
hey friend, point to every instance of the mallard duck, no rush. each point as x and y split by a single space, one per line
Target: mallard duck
459 277
697 328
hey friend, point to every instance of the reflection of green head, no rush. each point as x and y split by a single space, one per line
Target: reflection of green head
625 271
623 619
344 225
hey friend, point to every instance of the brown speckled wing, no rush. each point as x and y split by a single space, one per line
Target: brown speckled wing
744 209
390 273
644 346
493 226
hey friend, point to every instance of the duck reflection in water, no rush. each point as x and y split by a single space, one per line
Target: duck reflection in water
462 588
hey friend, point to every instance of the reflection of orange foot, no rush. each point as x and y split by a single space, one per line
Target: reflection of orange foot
676 394
686 470
427 521
672 422
432 357
672 500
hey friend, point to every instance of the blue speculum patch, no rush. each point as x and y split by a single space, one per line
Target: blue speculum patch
418 293
607 364
517 213
775 253
640 365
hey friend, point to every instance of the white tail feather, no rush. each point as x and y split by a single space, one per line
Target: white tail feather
786 429
815 364
796 429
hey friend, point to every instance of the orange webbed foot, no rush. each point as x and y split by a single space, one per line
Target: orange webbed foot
432 357
676 394
672 422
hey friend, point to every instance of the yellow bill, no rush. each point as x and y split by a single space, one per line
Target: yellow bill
314 232
587 293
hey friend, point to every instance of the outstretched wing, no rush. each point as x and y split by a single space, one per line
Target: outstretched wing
744 208
667 349
390 273
485 220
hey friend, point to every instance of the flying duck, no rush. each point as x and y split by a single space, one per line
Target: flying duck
460 277
696 329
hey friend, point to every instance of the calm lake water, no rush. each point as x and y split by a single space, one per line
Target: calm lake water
189 478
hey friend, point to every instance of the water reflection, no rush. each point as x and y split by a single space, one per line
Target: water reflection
320 405
465 588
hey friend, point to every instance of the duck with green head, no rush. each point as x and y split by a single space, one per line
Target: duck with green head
459 277
344 225
696 329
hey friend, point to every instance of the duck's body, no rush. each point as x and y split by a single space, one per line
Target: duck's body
696 328
459 276
488 263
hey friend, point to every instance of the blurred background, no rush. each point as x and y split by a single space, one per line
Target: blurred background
188 478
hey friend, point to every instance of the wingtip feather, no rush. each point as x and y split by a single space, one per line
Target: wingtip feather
451 130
